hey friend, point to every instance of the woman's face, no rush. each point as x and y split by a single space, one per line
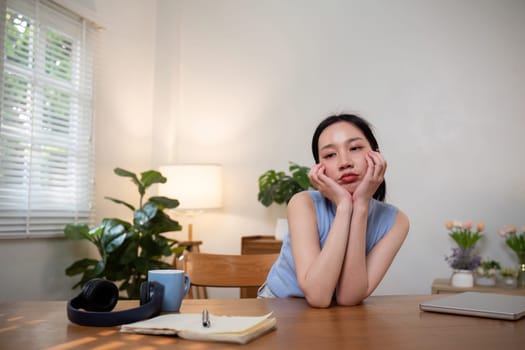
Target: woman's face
342 150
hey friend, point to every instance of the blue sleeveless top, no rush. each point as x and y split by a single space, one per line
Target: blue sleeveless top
282 279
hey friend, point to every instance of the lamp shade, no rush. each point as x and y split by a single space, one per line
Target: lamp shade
196 186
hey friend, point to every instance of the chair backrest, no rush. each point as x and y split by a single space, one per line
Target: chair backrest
223 270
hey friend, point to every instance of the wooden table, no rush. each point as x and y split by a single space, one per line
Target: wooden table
382 322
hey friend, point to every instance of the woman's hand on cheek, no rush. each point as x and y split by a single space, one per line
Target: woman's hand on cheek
374 176
327 186
317 176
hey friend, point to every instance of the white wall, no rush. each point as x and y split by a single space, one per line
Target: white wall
244 83
442 81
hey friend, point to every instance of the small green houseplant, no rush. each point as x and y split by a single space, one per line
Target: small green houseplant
128 250
279 187
486 272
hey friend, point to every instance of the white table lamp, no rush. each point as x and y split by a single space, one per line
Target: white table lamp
197 187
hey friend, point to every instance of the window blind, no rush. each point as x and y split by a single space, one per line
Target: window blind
46 119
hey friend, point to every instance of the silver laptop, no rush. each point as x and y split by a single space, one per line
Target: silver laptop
502 306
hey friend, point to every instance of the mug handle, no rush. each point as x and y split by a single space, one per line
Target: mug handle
187 284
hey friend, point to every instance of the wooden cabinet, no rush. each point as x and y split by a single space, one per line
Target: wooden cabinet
442 285
261 244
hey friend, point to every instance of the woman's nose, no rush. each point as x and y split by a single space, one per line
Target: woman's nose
345 161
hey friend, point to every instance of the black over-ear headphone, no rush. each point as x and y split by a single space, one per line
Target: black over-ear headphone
99 297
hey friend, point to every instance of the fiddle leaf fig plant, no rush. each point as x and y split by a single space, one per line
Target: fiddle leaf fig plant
128 250
279 187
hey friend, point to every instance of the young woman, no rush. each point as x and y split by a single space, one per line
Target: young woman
343 237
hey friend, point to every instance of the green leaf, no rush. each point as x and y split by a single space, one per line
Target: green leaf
118 201
134 178
96 232
177 251
150 209
130 253
265 197
126 173
77 231
300 175
164 202
269 178
142 217
101 264
465 238
80 266
114 234
285 189
151 177
163 223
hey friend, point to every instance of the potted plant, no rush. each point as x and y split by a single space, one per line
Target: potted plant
463 259
279 187
516 241
486 273
128 250
508 275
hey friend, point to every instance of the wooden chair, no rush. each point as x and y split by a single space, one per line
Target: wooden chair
223 270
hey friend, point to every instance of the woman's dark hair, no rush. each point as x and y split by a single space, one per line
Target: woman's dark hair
359 123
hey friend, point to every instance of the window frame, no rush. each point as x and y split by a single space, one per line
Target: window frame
47 153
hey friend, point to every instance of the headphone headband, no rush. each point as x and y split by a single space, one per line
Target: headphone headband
92 307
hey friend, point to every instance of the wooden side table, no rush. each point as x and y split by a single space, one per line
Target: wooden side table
260 244
442 286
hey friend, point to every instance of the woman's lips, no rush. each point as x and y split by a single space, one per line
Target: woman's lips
348 178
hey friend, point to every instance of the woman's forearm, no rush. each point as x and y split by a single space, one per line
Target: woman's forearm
320 279
353 283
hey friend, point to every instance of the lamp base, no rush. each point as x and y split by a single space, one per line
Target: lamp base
190 232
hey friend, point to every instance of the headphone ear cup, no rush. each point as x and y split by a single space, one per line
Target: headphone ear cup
145 292
99 295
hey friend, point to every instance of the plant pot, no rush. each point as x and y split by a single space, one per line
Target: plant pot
509 282
462 279
281 229
486 281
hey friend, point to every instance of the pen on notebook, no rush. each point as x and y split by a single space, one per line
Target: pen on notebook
206 318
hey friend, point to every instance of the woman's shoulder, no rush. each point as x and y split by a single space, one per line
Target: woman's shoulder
308 195
382 211
304 199
382 206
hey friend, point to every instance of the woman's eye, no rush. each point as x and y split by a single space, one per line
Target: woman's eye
356 148
329 155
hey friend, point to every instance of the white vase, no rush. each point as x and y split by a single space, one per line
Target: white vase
462 279
281 229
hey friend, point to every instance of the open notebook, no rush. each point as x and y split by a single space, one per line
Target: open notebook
231 329
501 306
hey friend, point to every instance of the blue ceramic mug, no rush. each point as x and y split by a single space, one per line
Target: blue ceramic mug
176 286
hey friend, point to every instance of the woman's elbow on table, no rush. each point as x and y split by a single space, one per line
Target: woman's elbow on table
318 301
349 301
352 299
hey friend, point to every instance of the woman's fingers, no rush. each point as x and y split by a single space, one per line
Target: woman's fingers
378 165
314 175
